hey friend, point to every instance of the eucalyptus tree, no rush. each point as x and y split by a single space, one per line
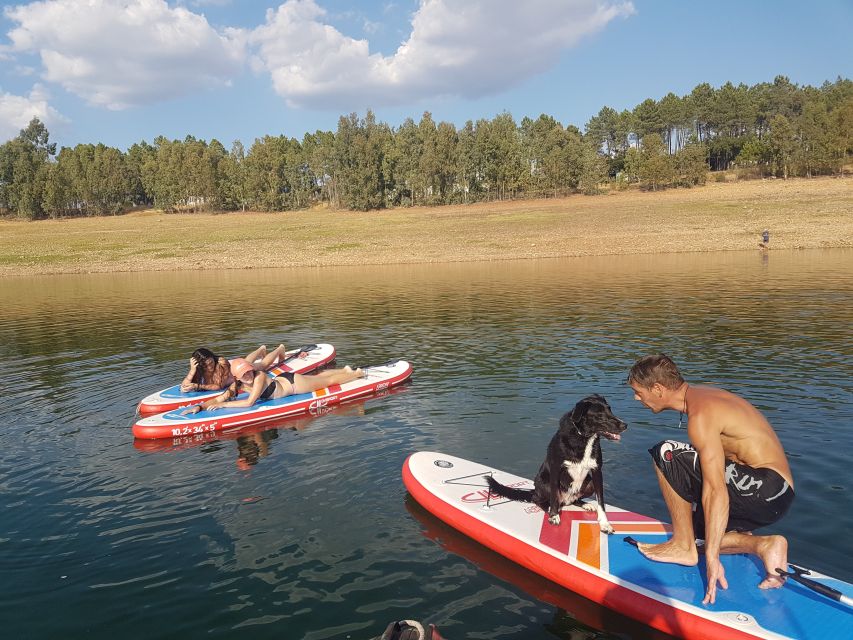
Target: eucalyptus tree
782 144
318 150
467 166
429 165
360 147
266 173
445 150
406 153
498 151
135 158
234 189
22 178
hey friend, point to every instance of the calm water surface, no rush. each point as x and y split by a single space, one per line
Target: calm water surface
305 530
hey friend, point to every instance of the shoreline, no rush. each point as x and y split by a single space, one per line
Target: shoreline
799 213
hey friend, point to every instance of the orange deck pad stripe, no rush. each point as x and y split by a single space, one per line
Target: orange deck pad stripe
589 537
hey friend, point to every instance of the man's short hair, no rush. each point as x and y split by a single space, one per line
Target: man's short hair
658 368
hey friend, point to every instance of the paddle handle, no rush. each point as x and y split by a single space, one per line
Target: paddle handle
822 589
306 348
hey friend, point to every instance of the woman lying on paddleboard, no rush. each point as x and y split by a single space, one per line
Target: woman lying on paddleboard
210 372
260 387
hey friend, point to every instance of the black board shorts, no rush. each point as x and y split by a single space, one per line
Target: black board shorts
757 497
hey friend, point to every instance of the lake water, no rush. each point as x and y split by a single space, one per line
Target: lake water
305 530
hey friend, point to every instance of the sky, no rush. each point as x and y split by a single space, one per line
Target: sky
123 71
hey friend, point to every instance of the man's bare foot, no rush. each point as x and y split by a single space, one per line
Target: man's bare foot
669 552
773 551
359 373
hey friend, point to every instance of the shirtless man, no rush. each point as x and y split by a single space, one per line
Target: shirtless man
742 480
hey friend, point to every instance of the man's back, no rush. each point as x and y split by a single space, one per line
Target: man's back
746 436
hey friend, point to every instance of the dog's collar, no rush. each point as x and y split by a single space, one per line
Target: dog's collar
574 424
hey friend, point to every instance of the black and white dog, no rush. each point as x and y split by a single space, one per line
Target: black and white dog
572 467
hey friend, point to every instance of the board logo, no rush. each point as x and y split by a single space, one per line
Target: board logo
444 464
484 495
321 403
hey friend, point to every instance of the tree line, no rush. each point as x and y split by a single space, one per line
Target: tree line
769 129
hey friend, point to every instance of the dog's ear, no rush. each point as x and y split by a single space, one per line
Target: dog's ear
580 410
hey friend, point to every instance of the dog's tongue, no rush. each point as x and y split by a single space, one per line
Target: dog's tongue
614 436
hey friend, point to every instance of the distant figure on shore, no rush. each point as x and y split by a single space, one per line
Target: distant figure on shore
765 239
732 477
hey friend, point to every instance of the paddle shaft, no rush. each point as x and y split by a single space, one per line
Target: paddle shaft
306 348
822 589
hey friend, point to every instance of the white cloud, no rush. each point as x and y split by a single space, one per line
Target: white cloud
17 111
466 48
122 53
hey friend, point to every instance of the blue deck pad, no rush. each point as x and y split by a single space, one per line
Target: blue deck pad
230 411
792 610
176 393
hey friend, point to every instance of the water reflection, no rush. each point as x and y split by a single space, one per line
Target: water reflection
300 530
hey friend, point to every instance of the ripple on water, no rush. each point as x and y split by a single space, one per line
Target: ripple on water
305 529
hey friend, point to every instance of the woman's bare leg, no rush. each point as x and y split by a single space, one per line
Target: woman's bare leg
270 358
306 384
257 354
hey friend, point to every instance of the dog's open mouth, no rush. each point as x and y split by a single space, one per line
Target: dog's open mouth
611 436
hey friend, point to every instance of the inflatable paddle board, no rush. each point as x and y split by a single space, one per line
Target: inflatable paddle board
291 423
174 423
174 398
610 571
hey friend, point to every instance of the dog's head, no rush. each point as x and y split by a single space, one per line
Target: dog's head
592 416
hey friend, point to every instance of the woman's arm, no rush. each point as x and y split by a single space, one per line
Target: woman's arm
258 385
230 392
187 383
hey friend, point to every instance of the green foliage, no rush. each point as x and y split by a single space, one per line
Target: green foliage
656 165
772 128
691 164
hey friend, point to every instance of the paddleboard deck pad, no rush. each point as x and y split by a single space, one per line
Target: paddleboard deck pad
174 398
174 423
609 571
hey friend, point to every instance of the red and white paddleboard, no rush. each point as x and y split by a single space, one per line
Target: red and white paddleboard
609 571
174 423
174 398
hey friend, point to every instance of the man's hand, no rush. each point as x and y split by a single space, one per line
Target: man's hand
715 573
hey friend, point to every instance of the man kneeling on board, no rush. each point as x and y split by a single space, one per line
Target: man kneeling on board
742 480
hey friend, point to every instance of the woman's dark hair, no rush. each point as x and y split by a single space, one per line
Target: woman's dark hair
202 355
658 368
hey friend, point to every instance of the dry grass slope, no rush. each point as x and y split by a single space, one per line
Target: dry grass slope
720 216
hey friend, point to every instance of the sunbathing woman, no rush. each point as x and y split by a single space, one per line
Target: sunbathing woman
260 387
210 372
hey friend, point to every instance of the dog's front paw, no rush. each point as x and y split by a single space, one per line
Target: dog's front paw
555 519
590 506
606 528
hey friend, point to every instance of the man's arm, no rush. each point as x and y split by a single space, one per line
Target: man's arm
715 498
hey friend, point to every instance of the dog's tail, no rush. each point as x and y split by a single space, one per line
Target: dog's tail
498 489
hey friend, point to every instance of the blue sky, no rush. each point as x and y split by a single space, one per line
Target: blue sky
121 71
